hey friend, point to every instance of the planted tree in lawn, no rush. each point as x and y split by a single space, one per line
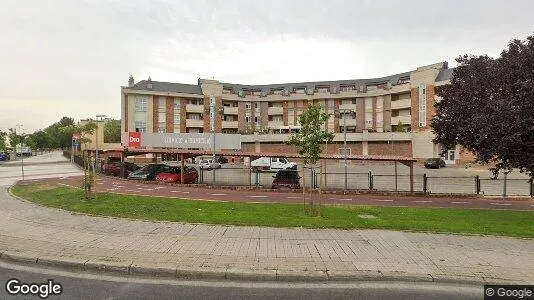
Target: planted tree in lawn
309 141
89 171
489 108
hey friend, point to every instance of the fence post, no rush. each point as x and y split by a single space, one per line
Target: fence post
532 187
201 175
504 186
370 180
312 177
425 182
477 184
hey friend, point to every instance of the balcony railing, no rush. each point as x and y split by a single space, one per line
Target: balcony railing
275 110
275 124
402 103
231 110
348 106
194 123
403 119
229 124
192 108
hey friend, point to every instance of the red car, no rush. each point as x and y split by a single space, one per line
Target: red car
114 168
190 176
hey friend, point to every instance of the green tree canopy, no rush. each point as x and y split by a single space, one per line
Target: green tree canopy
489 108
112 131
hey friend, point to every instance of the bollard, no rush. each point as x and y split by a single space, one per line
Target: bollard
370 180
425 183
477 184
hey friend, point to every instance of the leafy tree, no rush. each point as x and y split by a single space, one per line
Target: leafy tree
3 136
309 141
112 131
88 161
489 108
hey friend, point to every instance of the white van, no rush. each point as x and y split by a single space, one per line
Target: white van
271 163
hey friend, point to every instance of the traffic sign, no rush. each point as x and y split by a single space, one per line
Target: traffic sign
75 136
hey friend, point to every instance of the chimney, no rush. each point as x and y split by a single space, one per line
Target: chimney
131 81
149 83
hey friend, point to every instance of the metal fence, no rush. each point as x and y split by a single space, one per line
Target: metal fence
240 175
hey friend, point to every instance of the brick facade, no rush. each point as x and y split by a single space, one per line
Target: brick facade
169 114
285 116
241 117
125 113
336 116
155 103
183 115
387 148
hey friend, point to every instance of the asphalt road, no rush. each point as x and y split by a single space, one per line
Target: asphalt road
96 286
116 185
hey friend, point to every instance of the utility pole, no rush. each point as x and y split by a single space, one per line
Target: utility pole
212 123
96 140
345 147
21 148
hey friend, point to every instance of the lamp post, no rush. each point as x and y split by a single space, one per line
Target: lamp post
21 148
345 147
96 140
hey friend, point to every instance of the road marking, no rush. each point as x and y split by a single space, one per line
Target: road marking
422 201
386 200
130 190
179 192
118 186
218 194
99 183
459 202
341 199
257 196
502 204
159 187
294 197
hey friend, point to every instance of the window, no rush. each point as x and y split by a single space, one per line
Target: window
247 119
176 118
277 91
422 105
255 119
194 116
257 105
299 90
162 104
322 89
140 104
347 87
161 117
342 151
247 105
372 87
140 126
195 102
162 130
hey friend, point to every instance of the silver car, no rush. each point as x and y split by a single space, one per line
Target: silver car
209 164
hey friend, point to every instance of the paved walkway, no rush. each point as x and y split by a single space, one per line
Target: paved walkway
48 236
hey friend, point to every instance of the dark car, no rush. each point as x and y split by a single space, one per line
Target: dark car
4 156
149 172
221 159
435 163
114 168
175 175
286 179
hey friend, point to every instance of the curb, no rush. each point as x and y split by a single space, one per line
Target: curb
234 274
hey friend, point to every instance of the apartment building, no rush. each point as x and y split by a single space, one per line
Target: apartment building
379 116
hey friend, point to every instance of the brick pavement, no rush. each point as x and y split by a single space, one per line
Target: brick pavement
53 236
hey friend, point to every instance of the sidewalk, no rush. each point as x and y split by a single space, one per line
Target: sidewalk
35 234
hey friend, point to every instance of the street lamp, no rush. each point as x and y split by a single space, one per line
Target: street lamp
96 139
21 150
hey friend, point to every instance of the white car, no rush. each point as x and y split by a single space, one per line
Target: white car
209 164
272 164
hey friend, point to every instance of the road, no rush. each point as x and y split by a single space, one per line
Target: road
122 186
97 286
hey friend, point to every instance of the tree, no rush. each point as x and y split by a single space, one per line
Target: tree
112 131
88 162
489 108
3 136
309 141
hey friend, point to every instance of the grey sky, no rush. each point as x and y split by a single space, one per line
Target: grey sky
69 58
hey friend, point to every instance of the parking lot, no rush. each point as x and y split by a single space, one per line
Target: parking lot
452 179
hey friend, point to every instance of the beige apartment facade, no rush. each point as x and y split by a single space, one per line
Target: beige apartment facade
381 116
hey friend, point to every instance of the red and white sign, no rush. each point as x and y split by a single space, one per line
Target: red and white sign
75 136
134 139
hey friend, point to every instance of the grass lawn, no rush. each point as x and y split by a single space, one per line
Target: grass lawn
486 222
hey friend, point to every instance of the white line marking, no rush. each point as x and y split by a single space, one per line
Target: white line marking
502 204
218 194
159 187
294 197
99 183
341 199
130 190
459 202
257 196
422 201
386 200
175 192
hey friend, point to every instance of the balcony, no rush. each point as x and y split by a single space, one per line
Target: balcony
349 122
275 110
275 124
231 110
229 124
192 108
338 137
402 103
194 123
403 119
350 106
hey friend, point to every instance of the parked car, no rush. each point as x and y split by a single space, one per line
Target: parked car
271 163
218 158
149 172
434 163
114 168
286 179
209 164
174 175
4 156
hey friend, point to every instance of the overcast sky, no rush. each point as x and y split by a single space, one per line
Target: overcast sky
69 58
